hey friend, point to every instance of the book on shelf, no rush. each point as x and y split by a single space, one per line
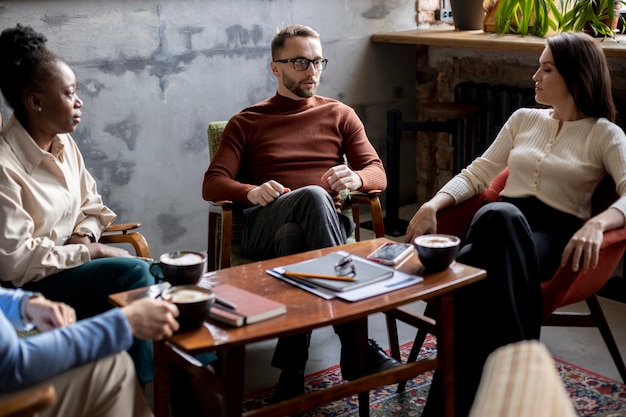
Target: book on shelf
239 307
322 272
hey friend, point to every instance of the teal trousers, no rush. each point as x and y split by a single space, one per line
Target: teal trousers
86 288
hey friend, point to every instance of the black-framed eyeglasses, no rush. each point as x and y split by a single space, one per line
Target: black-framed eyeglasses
345 267
301 64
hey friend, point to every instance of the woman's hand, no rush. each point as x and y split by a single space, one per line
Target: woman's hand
584 247
100 250
425 219
48 315
151 319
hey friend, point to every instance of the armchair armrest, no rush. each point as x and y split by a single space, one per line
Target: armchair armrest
568 287
223 210
122 233
372 199
27 402
122 227
455 220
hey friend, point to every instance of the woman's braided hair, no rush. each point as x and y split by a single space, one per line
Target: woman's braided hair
25 64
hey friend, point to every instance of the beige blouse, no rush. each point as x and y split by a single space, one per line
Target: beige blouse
44 196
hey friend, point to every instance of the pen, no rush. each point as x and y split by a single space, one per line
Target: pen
320 276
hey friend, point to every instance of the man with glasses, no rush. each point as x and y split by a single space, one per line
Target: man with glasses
282 158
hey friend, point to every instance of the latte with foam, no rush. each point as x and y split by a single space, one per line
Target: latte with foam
188 258
189 296
436 241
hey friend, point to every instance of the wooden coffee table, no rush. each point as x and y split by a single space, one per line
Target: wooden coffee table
306 311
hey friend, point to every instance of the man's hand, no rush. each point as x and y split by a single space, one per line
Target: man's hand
266 193
341 177
151 319
47 315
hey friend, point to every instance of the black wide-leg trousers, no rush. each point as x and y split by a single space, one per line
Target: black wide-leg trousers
519 243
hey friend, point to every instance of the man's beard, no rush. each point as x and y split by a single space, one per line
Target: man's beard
294 87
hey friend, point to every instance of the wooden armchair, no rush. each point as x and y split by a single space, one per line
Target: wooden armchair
124 233
226 219
27 402
566 287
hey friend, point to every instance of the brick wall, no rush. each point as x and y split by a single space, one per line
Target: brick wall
434 155
440 69
426 11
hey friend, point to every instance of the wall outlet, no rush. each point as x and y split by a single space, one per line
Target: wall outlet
444 15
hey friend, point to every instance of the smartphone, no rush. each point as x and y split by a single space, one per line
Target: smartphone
391 253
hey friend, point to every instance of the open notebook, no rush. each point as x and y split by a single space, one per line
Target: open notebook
365 272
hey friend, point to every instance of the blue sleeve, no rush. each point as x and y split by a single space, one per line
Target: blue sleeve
11 304
27 361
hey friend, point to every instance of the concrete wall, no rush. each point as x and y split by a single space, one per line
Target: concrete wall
153 73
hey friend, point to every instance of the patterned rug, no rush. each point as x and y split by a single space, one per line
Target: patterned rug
593 394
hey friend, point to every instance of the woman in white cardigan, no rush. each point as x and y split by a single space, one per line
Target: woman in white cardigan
556 157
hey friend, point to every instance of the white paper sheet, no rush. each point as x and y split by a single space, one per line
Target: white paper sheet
398 280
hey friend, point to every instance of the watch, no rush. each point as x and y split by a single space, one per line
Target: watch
84 232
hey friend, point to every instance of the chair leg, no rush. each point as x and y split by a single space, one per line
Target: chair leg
607 335
394 346
420 337
392 333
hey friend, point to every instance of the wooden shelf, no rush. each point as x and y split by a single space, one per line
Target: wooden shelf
446 36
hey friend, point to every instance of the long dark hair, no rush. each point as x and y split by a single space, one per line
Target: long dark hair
580 60
25 64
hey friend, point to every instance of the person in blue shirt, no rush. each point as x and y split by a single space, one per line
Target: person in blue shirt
85 361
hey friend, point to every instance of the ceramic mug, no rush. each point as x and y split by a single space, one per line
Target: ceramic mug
193 302
436 251
179 267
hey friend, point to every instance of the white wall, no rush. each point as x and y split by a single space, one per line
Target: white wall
153 73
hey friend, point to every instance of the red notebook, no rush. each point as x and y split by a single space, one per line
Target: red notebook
249 307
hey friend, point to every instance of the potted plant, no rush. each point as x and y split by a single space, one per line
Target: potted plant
527 17
467 14
596 17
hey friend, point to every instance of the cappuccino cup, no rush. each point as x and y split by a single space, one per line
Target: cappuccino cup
193 302
179 267
437 251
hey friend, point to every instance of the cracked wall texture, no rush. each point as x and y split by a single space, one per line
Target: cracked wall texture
153 73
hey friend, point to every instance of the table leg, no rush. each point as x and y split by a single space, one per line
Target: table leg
233 372
162 378
360 338
445 350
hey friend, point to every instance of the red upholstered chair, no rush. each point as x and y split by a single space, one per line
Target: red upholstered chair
566 287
